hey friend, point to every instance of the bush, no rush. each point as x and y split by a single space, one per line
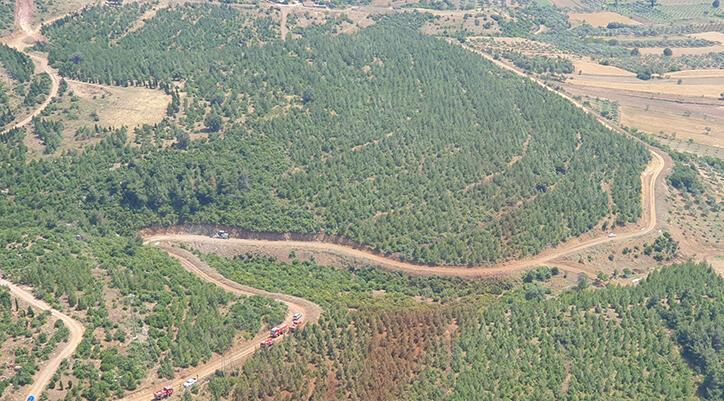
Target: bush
685 178
644 75
213 122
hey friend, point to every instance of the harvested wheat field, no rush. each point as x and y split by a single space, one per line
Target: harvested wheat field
676 117
713 36
600 19
586 67
709 85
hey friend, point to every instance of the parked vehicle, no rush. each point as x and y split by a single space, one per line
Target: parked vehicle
296 326
190 382
267 343
221 234
297 317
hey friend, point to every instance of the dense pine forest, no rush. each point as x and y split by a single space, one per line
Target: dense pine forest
381 137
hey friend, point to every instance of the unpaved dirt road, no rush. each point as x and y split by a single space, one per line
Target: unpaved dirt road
240 352
64 350
23 37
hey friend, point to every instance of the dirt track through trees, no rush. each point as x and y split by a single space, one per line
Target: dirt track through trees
23 37
64 350
26 34
241 351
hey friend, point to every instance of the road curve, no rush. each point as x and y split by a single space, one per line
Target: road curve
65 350
21 39
240 352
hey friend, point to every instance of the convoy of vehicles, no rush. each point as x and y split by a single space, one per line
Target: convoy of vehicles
274 332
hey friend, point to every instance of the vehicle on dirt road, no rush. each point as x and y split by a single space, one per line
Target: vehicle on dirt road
297 317
278 330
298 325
221 234
190 382
267 343
163 393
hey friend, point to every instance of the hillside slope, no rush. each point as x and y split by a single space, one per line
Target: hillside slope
387 137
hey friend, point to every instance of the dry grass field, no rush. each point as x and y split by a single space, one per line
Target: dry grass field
666 116
117 106
709 85
683 107
600 19
89 105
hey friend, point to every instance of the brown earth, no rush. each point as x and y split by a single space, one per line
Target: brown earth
699 84
600 19
684 109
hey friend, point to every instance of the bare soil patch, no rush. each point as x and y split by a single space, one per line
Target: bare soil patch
713 36
600 18
683 51
586 67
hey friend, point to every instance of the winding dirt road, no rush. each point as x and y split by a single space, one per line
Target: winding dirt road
240 352
24 37
65 350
